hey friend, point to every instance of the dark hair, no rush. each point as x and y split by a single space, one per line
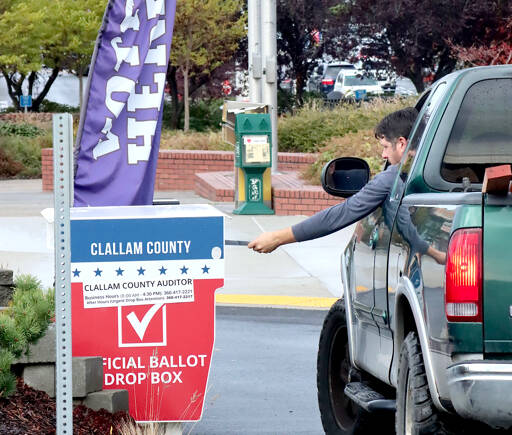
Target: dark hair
396 124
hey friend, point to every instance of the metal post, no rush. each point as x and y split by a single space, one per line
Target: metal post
254 45
62 176
269 50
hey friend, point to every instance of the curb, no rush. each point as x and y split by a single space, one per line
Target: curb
275 301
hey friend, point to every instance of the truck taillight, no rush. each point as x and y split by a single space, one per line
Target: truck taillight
463 299
328 82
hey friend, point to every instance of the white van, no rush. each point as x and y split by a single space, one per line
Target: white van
356 85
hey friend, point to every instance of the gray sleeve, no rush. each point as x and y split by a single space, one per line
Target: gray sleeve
409 232
332 219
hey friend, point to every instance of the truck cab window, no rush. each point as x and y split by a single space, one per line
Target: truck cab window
427 106
482 133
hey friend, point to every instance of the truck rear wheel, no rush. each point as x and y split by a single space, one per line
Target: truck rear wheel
415 409
340 415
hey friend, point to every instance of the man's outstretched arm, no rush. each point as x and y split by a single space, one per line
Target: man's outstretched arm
331 219
267 242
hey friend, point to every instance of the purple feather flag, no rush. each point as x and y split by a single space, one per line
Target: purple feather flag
119 132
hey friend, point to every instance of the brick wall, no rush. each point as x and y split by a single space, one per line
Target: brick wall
47 168
307 201
26 117
295 161
290 194
176 169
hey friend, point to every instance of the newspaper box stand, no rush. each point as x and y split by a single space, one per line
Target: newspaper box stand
143 288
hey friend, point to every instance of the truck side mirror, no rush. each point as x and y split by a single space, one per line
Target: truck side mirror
345 176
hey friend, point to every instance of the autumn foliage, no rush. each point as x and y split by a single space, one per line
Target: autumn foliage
497 51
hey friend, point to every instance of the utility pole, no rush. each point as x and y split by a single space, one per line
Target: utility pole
254 44
269 50
263 61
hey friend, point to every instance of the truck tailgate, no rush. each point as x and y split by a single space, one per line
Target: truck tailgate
497 274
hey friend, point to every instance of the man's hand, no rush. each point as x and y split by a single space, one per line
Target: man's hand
437 255
267 242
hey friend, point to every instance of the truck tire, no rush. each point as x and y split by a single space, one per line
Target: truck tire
339 414
415 409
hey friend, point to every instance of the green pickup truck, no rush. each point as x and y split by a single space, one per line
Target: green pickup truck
415 346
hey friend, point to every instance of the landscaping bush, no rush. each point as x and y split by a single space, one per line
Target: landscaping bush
24 322
285 102
313 125
19 129
178 140
8 167
21 156
361 144
205 115
53 107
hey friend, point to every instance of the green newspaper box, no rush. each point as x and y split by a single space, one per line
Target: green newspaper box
253 159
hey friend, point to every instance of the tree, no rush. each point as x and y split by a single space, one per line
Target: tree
411 36
304 33
55 34
206 35
496 51
79 23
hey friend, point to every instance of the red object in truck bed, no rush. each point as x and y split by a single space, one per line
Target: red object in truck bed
497 179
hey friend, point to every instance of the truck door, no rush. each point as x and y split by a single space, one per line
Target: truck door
367 334
396 252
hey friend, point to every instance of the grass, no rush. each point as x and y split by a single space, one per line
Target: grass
178 140
315 124
132 428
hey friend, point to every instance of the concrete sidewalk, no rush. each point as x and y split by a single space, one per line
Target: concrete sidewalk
301 274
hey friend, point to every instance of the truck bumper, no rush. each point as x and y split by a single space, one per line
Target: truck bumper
480 390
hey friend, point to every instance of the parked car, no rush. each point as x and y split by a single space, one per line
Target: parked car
355 86
323 76
418 340
404 87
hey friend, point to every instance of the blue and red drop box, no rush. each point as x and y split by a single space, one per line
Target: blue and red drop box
143 298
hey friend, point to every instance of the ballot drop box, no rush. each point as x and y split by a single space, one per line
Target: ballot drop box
253 160
143 298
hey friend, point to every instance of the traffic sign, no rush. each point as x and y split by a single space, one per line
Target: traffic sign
26 101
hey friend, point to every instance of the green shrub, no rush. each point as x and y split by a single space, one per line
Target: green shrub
19 129
193 140
205 115
24 322
360 144
32 308
7 379
285 102
11 337
314 124
25 151
8 167
53 107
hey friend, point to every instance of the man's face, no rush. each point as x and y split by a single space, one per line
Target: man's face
393 151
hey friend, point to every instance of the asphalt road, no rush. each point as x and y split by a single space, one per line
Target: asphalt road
263 375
